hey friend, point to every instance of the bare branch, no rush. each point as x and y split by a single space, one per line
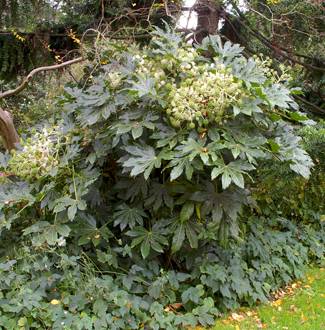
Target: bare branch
313 107
282 51
33 72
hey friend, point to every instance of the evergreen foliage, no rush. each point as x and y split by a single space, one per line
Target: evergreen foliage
128 211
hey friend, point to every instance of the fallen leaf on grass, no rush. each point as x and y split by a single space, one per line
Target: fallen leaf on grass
261 325
303 318
249 313
293 308
276 303
311 279
237 317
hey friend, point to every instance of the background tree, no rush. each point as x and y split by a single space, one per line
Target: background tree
291 32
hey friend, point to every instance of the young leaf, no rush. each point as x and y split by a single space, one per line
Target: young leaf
178 238
186 211
72 210
191 235
145 247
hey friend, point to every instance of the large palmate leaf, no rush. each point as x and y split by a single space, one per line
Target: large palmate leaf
247 71
180 165
289 149
143 159
245 146
278 95
134 123
15 192
225 52
87 230
217 204
131 188
185 228
165 135
147 239
192 149
144 86
167 42
184 158
92 102
248 106
159 196
125 216
232 172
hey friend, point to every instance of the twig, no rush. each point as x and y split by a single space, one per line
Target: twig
284 52
33 72
316 108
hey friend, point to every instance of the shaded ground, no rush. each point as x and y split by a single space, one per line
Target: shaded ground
299 306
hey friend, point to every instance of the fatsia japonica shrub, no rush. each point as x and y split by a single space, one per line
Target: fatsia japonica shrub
146 172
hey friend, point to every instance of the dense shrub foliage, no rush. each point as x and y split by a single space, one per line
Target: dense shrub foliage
137 207
293 196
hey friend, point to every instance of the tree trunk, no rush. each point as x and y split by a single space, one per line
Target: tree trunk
7 130
208 18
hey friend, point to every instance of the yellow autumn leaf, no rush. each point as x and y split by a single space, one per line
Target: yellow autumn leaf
22 321
311 279
55 302
277 303
303 317
237 317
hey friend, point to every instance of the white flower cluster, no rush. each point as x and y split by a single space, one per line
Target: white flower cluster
147 67
166 69
37 157
197 92
114 79
275 76
183 60
203 96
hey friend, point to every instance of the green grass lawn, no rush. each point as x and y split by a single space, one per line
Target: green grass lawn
302 306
